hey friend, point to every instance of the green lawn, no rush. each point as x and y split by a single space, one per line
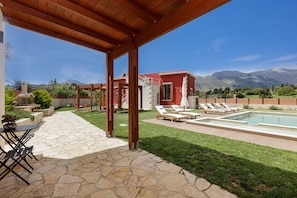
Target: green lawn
245 169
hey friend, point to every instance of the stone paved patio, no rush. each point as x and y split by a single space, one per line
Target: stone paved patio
77 160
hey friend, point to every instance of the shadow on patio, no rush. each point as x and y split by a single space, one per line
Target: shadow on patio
77 160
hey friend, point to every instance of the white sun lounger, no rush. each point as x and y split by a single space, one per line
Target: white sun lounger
162 113
217 105
181 111
219 110
207 109
232 108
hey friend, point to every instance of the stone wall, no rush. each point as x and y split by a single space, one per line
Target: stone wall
38 116
46 112
63 102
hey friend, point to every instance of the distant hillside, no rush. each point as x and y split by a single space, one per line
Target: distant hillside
236 79
209 82
72 81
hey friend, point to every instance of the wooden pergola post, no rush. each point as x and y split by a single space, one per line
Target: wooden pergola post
78 96
120 87
133 95
92 89
109 96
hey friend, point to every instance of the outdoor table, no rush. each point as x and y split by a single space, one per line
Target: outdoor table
16 139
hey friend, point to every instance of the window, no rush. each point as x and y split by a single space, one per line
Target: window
167 91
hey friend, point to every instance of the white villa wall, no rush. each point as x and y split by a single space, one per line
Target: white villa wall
192 102
156 96
150 92
146 96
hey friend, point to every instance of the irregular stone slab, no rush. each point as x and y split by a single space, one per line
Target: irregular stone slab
173 182
216 191
202 184
61 190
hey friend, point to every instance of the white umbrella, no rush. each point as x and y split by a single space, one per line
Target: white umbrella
184 100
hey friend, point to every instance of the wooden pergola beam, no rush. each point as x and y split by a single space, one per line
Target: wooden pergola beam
66 24
54 34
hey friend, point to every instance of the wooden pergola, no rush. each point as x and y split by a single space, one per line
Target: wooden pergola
114 27
119 86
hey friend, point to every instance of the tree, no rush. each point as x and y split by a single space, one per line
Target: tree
84 93
286 91
265 93
239 95
227 90
52 85
257 91
208 93
272 88
43 98
62 90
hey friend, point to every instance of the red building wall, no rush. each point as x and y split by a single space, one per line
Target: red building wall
176 78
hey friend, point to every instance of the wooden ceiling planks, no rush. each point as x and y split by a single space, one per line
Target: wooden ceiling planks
105 25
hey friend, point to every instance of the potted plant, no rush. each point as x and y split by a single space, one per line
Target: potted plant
8 122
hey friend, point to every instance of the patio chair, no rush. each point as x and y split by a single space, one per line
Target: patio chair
232 108
218 110
181 111
206 109
217 105
9 160
162 113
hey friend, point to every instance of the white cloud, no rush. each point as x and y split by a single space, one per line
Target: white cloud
216 45
287 57
246 58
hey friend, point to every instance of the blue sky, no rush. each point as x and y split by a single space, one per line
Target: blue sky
242 35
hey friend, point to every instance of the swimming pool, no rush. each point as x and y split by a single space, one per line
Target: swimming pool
254 118
272 124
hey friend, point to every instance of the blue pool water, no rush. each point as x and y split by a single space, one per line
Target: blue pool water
253 118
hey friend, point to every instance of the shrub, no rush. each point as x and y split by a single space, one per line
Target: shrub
43 98
274 108
246 106
19 113
239 95
286 91
9 98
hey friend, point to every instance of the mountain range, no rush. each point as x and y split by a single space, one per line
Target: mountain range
236 79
